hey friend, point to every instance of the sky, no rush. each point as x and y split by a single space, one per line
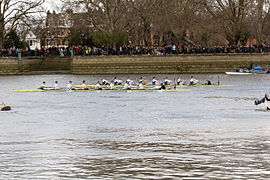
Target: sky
52 5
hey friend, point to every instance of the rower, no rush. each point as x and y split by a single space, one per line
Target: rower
127 86
70 86
83 85
105 82
129 81
117 81
141 80
167 81
56 85
141 85
43 85
98 86
112 85
154 81
208 82
265 98
162 86
193 81
180 81
241 69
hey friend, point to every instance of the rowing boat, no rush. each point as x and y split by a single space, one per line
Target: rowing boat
107 90
170 86
247 73
238 73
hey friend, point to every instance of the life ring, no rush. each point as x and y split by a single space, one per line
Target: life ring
6 108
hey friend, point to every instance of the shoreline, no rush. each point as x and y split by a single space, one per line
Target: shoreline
99 65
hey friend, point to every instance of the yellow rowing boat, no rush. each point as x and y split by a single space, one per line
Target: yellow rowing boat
107 90
149 86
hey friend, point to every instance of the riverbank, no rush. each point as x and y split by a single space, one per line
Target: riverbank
180 64
171 64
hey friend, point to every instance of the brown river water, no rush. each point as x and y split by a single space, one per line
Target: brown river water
207 133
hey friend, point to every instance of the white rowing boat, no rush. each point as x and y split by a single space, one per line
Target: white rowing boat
238 73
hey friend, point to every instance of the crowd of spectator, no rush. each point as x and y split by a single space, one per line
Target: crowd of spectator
134 50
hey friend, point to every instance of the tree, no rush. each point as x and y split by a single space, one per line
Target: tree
146 18
105 16
178 13
79 37
11 11
116 39
231 15
13 40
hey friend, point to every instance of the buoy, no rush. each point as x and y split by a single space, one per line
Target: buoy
6 108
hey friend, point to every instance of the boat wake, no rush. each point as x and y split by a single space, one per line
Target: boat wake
232 98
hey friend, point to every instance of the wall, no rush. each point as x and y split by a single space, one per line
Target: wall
50 63
12 66
133 64
8 66
166 64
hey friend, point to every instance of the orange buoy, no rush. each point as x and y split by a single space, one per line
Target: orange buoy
6 108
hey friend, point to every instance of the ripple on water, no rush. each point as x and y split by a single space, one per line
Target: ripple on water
207 133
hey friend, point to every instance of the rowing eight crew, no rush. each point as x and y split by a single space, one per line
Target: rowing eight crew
154 81
57 87
98 86
128 83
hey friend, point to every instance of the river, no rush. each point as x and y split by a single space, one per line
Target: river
207 133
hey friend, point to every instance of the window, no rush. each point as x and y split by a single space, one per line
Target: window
30 43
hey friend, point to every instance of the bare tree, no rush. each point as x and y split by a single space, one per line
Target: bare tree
261 24
180 14
231 15
11 11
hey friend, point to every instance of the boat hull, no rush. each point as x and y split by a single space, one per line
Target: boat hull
169 86
107 90
238 73
247 73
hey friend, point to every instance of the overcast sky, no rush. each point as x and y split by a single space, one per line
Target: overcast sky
52 5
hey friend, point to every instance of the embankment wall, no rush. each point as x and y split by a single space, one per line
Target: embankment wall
182 64
8 66
13 65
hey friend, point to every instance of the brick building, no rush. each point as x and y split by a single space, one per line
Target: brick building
57 29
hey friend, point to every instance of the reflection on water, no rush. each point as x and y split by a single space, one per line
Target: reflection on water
208 133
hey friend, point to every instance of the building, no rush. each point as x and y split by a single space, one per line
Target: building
57 29
33 40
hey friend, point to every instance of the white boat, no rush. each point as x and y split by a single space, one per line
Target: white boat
238 73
